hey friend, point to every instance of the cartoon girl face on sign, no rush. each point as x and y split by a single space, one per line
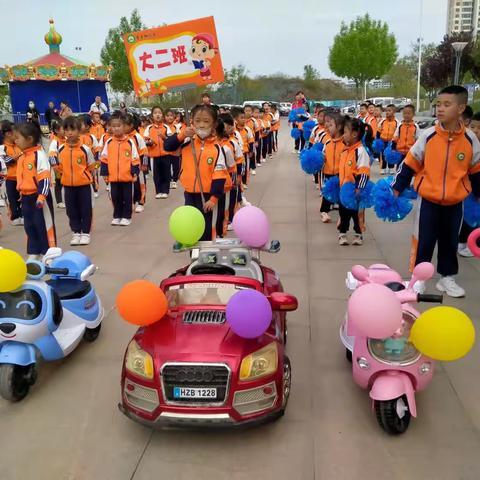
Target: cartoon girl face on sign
202 51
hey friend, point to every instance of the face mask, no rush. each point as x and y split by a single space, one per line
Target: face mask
203 132
31 105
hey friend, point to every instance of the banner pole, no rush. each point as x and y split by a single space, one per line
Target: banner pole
184 101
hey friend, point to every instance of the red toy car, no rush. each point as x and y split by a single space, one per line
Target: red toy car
190 368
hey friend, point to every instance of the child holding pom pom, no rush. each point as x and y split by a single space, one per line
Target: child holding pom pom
446 164
386 130
354 167
332 152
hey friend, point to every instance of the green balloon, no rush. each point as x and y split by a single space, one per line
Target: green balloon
187 225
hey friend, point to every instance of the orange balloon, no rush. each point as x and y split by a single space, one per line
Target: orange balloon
141 303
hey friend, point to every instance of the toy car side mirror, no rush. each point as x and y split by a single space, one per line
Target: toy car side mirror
35 270
360 273
283 302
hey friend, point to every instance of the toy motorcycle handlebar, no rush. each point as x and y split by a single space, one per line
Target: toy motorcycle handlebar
429 298
57 271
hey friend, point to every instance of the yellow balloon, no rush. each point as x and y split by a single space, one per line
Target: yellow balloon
13 270
443 333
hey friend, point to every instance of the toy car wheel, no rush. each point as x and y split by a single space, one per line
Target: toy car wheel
91 334
287 382
393 415
348 355
15 381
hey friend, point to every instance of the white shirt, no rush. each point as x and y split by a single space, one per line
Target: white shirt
102 108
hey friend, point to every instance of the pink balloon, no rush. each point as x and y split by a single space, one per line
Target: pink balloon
251 226
374 311
474 242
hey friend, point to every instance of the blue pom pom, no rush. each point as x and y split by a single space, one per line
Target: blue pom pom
409 192
350 199
393 157
308 126
311 161
331 189
295 114
296 133
318 146
378 146
387 206
471 211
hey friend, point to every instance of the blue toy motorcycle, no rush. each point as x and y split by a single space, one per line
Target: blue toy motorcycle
46 319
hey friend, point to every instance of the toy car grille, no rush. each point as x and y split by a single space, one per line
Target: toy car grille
204 316
195 376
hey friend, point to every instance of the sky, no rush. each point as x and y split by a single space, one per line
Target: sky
267 36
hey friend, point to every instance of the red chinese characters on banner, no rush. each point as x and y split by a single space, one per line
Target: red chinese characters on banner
183 54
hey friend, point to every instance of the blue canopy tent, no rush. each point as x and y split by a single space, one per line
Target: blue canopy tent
55 77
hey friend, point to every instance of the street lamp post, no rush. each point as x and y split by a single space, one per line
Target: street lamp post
458 47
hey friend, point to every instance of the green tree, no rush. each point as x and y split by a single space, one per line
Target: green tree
363 51
113 52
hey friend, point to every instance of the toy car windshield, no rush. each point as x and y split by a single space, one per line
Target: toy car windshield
202 293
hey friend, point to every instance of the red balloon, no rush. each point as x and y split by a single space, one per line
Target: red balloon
141 303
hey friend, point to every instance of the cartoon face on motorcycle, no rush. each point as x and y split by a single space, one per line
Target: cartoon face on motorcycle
27 314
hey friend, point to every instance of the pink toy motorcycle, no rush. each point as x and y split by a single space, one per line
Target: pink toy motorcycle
383 359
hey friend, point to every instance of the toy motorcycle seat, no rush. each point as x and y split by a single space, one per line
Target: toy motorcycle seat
70 289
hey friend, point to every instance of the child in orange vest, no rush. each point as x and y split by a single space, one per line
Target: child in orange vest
120 166
77 164
33 183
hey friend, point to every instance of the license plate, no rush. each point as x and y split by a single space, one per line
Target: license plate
181 392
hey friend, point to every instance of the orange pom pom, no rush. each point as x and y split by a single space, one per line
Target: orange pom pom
141 303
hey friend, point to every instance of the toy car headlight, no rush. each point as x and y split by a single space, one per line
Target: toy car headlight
138 362
260 363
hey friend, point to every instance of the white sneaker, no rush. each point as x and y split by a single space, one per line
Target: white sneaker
116 221
450 287
245 186
125 222
229 227
18 222
108 188
264 160
33 258
419 287
245 203
391 171
163 195
158 195
75 239
383 171
85 239
60 205
95 194
325 217
253 172
464 251
139 209
2 202
294 151
358 240
342 240
173 185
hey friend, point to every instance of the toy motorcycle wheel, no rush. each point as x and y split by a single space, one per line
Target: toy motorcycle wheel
91 334
15 381
393 415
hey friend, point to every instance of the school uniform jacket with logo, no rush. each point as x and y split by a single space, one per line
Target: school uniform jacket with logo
387 129
90 140
76 164
9 154
354 165
153 134
120 160
405 136
332 151
209 161
33 173
446 166
97 130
